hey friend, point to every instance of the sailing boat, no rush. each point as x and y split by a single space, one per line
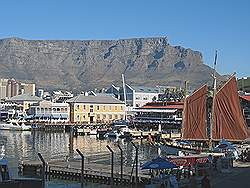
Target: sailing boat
227 118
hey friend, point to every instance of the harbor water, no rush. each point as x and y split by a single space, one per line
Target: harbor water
22 146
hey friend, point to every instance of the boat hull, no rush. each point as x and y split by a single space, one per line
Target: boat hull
12 127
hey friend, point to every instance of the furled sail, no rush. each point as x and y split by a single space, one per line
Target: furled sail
228 118
195 115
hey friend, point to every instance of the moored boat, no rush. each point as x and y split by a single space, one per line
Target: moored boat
15 125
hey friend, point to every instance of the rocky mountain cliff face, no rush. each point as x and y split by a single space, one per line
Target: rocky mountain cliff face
81 65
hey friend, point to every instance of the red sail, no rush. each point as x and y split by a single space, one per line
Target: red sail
228 119
195 115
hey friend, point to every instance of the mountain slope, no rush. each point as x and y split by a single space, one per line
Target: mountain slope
81 65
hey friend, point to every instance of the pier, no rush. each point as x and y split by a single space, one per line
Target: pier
82 170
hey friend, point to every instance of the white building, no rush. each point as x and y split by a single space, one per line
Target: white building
47 111
136 96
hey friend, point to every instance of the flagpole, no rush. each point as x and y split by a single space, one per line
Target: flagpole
124 95
212 113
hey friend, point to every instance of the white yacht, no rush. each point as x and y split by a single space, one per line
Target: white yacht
16 125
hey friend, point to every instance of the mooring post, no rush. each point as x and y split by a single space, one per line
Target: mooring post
43 169
112 164
136 163
121 160
82 170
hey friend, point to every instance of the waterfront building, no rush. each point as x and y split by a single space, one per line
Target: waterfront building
3 88
9 88
95 109
47 111
25 100
168 114
10 110
137 96
29 88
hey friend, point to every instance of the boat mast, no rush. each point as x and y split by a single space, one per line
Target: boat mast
212 114
124 95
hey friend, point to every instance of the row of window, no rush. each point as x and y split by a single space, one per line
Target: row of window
51 109
99 107
142 98
103 116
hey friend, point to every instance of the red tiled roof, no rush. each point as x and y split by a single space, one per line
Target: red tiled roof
246 97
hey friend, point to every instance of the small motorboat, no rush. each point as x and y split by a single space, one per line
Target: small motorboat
112 134
16 125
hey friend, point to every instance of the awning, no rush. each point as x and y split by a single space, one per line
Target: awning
158 163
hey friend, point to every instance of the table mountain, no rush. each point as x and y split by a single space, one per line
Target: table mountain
80 65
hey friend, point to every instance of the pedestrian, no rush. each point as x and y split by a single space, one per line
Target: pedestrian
205 183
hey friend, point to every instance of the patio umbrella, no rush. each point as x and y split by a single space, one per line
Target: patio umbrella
158 163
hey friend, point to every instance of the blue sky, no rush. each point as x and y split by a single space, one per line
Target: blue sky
203 25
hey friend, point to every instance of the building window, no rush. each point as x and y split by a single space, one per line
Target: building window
137 98
54 109
98 116
77 107
121 107
91 110
121 116
145 98
91 106
98 107
46 110
65 109
104 108
110 116
110 108
77 117
83 116
104 116
137 105
84 107
58 109
115 107
116 116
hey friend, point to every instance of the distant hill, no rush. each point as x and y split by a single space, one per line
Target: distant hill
81 65
244 84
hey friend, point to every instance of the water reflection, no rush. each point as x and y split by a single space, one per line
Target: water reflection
25 146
